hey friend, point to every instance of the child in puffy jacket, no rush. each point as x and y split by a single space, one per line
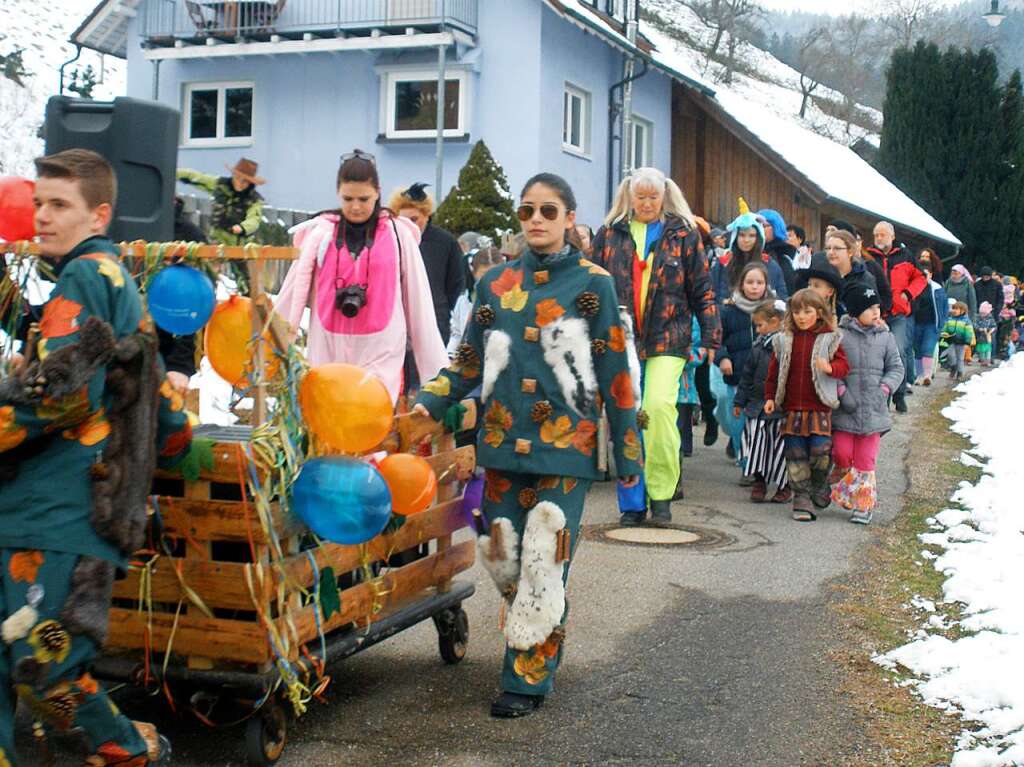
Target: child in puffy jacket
876 370
985 332
957 336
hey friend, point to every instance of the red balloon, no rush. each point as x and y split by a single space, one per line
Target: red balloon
17 210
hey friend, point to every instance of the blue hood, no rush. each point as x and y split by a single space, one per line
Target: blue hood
778 223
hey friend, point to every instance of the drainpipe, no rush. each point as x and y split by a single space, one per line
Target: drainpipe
627 89
78 52
613 113
156 80
441 93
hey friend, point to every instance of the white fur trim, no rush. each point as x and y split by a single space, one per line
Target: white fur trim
19 624
566 344
496 358
504 568
632 357
540 599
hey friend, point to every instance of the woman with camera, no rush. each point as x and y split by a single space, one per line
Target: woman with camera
361 275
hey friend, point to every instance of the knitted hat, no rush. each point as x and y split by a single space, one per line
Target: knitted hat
985 309
846 226
985 271
823 270
860 298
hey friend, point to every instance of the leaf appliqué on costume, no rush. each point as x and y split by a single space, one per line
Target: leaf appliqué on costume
60 317
617 338
11 433
24 566
531 667
91 431
495 486
548 311
497 421
108 268
439 387
569 484
622 391
64 412
558 432
515 299
548 483
510 278
632 445
586 437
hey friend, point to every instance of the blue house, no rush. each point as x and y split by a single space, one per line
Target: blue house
293 84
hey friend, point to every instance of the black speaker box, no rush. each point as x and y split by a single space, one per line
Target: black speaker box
140 139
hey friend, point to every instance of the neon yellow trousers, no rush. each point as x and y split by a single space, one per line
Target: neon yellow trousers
661 438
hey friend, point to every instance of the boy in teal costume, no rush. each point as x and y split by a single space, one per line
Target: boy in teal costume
546 346
76 439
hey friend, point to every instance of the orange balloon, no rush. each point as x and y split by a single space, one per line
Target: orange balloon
227 342
348 409
412 482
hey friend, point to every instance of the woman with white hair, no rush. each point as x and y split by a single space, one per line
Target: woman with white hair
650 245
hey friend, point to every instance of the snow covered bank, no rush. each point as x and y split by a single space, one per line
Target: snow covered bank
981 675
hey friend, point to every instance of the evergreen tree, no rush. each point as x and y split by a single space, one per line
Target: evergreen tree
12 66
941 142
481 202
1010 207
83 81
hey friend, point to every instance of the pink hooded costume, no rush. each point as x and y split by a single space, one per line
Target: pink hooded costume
399 307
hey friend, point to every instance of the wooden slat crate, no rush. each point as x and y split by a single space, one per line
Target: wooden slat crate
212 535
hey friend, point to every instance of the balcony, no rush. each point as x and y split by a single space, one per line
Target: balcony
178 22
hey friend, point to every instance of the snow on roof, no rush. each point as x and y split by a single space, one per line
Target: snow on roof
817 147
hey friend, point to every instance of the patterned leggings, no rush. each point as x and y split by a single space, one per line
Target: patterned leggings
808 460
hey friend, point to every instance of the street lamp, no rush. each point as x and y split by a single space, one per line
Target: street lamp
994 17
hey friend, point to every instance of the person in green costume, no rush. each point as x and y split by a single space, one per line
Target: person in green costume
546 346
74 412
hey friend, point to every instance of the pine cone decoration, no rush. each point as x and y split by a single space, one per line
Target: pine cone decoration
642 419
588 304
62 706
467 355
598 347
485 316
528 498
541 411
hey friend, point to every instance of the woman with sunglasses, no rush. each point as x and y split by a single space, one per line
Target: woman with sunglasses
652 248
361 275
545 345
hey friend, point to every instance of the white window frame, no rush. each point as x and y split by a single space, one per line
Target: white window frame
647 145
220 140
389 79
586 110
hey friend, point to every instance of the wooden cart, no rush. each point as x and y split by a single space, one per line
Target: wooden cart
223 603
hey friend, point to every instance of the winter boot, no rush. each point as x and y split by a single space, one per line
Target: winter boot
758 491
861 517
710 427
785 495
900 401
661 513
632 518
513 705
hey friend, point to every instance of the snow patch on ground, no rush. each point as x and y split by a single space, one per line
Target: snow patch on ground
980 676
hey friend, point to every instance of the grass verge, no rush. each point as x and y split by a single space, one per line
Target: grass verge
872 610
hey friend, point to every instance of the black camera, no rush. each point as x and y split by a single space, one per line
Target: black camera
350 299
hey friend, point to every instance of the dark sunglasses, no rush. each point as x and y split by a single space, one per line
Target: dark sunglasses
358 154
549 210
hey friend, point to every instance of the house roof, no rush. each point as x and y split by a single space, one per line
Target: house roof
106 28
828 170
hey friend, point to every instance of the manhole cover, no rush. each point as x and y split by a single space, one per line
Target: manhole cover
657 536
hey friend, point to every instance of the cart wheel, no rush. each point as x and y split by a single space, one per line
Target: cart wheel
452 634
265 736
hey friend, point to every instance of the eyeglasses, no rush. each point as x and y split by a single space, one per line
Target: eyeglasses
358 154
549 210
836 250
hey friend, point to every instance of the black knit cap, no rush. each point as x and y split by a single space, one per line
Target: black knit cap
859 299
846 226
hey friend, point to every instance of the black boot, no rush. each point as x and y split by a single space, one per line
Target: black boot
632 518
900 400
661 513
710 428
512 705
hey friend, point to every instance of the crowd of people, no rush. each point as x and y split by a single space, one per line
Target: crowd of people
571 344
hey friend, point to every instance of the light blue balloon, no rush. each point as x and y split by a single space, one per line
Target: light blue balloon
342 500
180 299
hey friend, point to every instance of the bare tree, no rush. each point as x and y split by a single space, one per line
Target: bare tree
851 51
907 21
723 18
811 58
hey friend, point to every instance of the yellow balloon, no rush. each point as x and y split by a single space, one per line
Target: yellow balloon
227 338
346 408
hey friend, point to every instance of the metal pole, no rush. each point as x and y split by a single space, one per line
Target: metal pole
439 175
627 92
156 80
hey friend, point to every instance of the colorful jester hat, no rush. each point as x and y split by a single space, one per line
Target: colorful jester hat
746 220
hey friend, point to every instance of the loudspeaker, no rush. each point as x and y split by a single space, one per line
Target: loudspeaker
140 139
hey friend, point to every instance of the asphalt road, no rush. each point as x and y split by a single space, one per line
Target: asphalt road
706 655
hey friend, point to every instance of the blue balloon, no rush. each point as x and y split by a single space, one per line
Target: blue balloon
342 500
180 299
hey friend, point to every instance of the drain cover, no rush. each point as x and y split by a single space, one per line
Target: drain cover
652 536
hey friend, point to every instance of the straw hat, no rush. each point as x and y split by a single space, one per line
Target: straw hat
247 169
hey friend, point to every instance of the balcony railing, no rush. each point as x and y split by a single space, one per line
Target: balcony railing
168 20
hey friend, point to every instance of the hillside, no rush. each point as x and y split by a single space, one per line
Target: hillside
42 29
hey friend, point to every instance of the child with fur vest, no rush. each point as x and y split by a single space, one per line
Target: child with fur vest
763 445
803 384
876 370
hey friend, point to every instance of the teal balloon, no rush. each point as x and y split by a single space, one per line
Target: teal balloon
180 299
342 500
